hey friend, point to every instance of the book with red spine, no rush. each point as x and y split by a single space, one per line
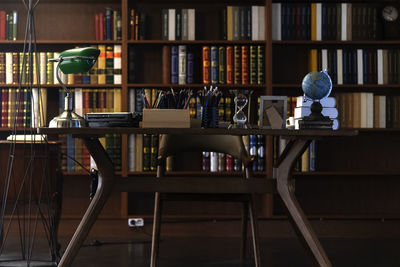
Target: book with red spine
2 25
4 107
97 26
245 64
229 64
101 26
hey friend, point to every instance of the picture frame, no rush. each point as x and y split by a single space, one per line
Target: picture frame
273 112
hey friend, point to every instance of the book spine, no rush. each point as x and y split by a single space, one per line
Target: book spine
182 64
117 64
154 151
174 64
14 25
229 163
229 64
171 24
102 65
191 24
190 67
108 19
132 78
15 68
164 24
221 64
2 68
185 30
260 64
214 64
2 25
178 24
205 161
213 161
260 153
49 69
245 64
253 150
206 59
253 64
166 61
137 26
237 65
109 64
142 27
9 76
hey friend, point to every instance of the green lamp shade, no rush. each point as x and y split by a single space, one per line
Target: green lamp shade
78 60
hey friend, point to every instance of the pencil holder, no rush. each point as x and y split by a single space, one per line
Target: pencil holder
214 117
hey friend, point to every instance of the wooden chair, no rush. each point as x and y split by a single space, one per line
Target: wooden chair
233 145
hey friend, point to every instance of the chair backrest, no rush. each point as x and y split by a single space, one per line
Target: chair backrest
171 144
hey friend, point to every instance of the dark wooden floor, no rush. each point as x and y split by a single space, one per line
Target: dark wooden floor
372 247
222 252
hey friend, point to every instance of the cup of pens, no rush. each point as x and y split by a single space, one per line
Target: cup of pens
209 100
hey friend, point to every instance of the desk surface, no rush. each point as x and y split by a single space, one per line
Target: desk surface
201 131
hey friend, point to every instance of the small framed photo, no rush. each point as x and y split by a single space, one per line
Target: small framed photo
273 112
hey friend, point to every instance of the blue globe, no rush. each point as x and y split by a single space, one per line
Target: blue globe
317 85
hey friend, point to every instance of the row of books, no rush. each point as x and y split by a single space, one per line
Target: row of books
308 162
108 25
85 101
143 151
325 21
244 23
220 162
178 64
178 24
137 25
233 64
366 110
23 107
358 66
76 156
8 25
107 69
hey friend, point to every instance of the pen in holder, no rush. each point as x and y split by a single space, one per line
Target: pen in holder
209 99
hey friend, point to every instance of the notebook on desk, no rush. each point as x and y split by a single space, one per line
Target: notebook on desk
113 119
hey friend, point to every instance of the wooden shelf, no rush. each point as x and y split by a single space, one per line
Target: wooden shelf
345 175
57 86
193 173
336 43
359 87
197 85
196 42
62 42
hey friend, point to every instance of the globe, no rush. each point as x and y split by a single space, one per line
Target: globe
317 85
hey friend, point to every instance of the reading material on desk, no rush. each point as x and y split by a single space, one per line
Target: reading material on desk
113 119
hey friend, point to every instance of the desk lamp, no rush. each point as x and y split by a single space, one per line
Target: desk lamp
72 61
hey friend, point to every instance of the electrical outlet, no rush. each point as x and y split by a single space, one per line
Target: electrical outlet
135 222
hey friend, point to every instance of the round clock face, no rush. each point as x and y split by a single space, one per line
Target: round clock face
390 13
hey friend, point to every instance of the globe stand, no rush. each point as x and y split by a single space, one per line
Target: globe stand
315 120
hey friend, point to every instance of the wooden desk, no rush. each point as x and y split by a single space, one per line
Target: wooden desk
281 184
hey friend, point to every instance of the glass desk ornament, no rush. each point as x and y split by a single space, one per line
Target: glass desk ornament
239 117
316 86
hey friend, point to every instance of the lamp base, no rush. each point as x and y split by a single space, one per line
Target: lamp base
67 119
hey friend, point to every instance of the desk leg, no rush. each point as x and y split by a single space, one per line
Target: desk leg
296 214
104 188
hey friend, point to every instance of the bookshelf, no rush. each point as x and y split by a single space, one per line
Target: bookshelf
285 64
